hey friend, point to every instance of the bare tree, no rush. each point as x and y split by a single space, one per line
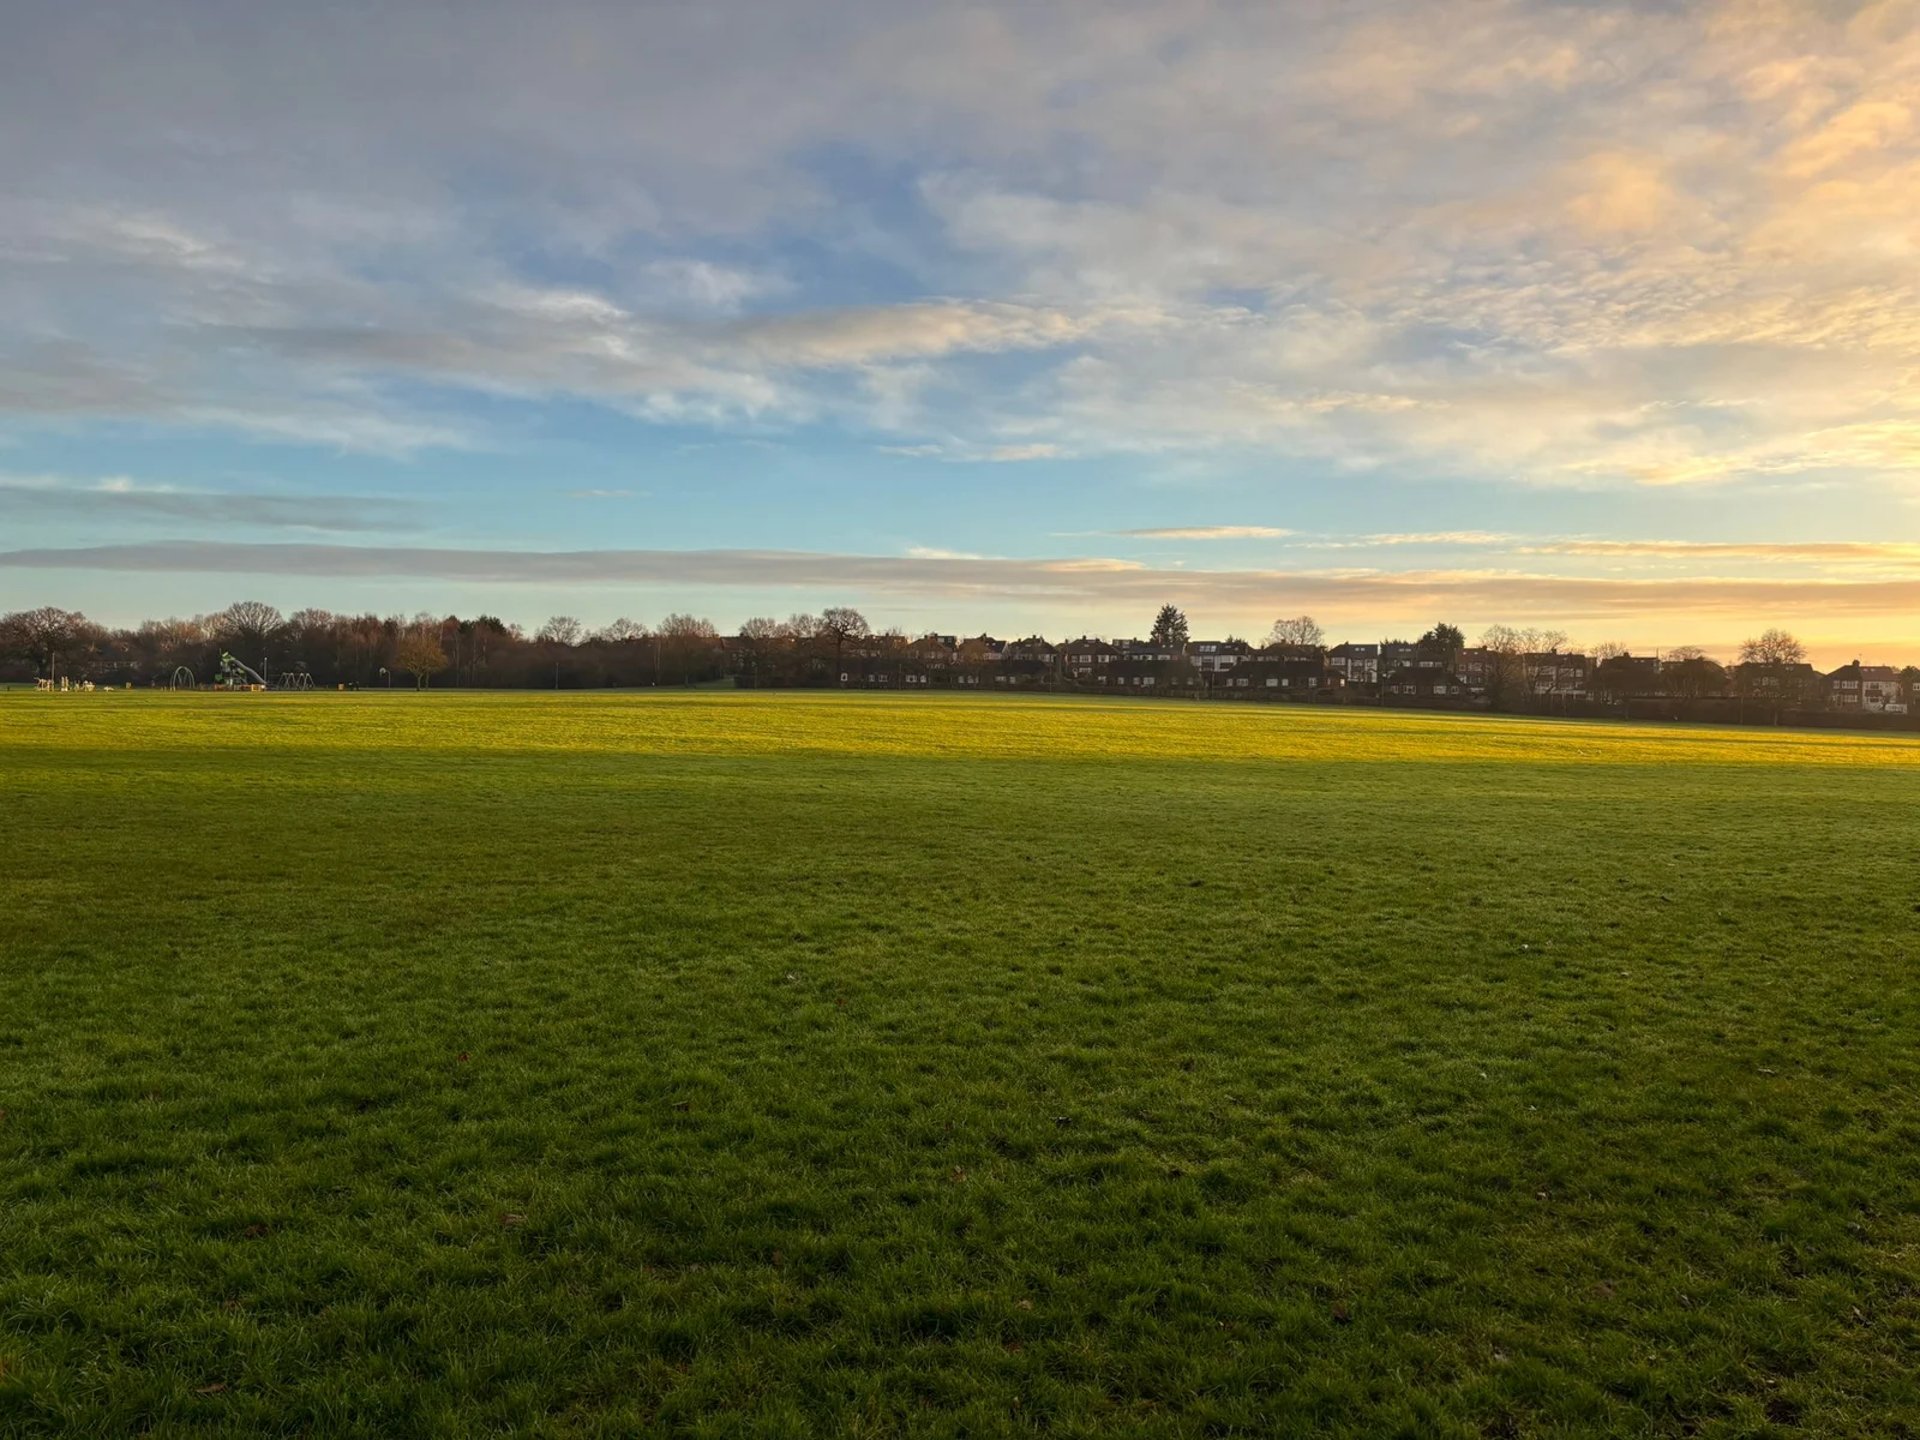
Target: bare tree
173 642
1614 675
1687 674
420 653
806 642
1773 671
1509 671
248 626
1773 647
840 624
687 644
560 630
1300 632
312 637
761 639
44 635
621 630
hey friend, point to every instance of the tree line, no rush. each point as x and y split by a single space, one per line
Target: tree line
361 651
369 650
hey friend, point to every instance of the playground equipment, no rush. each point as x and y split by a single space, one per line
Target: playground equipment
182 679
236 674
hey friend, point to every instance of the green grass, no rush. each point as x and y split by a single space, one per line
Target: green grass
813 1065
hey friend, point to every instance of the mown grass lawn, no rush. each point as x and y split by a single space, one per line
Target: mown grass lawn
738 1064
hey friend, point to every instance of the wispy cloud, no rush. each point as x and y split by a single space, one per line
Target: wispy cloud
1604 244
1817 552
964 453
1798 550
1094 581
1203 532
123 499
1453 538
936 552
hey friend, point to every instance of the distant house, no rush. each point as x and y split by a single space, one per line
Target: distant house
978 656
865 672
1644 670
1478 666
934 652
1355 664
1032 661
1150 652
1210 657
1400 654
1755 678
1870 688
1544 673
1086 656
1137 675
1549 673
1626 677
1693 677
1266 673
1780 685
1425 682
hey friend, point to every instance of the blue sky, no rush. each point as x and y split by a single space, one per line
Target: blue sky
1601 317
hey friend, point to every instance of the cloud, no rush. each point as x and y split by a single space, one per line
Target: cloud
724 288
1606 244
1472 538
1205 532
1851 553
961 453
1016 454
1622 194
1861 129
1822 551
119 498
1465 594
917 331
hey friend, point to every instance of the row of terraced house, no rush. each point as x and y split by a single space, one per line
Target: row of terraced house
1389 670
1392 668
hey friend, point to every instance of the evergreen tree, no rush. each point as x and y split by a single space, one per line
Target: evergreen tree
1169 627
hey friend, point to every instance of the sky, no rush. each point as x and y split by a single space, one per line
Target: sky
1008 317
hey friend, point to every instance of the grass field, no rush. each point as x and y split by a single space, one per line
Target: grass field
816 1065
